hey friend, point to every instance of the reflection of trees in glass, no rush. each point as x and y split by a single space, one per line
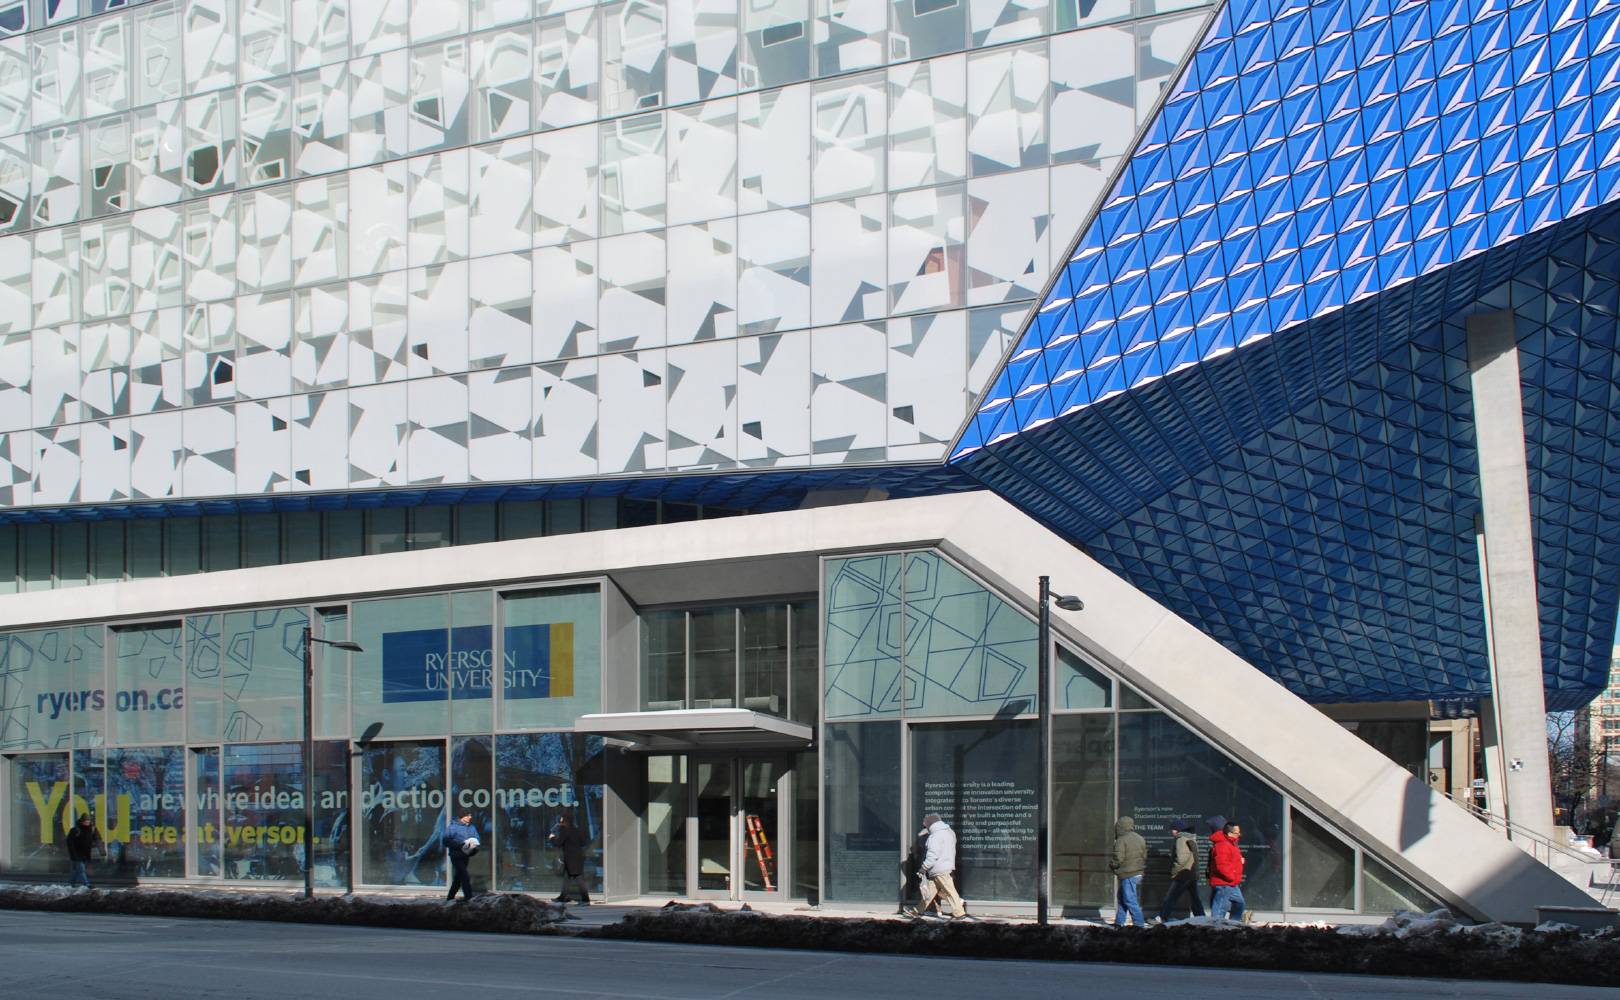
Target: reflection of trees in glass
263 811
402 817
146 833
531 770
36 834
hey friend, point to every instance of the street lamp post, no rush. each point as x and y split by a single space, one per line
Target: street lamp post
309 750
1043 708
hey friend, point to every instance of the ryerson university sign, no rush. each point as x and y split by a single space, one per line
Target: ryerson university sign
435 663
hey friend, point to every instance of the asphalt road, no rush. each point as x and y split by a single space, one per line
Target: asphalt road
135 958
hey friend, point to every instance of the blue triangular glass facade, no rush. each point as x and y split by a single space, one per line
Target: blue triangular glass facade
1247 389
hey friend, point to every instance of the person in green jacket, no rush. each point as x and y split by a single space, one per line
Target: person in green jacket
1127 865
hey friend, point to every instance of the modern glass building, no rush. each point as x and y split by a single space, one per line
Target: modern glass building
677 402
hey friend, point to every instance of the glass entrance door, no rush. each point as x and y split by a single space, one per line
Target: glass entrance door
739 809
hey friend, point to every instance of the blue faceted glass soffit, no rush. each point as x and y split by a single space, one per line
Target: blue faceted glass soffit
1357 178
754 491
1312 156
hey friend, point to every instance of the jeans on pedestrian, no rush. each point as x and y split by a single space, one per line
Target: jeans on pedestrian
1178 886
1128 901
80 876
1227 903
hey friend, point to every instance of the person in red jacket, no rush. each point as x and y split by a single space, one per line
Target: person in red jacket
1226 873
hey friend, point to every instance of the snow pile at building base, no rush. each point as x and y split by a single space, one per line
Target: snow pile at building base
491 913
1433 945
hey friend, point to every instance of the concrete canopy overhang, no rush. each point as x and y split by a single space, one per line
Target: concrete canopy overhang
698 729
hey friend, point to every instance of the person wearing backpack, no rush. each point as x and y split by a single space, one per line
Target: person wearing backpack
1183 872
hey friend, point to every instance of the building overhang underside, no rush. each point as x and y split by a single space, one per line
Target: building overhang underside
1247 390
698 730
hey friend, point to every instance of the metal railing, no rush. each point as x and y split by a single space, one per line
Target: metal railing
1544 848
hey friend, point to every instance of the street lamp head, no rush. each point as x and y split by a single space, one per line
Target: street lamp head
1069 602
353 647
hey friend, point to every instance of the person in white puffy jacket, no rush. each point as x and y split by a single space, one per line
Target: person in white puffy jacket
939 862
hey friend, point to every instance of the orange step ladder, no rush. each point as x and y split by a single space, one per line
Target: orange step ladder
762 851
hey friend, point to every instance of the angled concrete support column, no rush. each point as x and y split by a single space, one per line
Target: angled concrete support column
1508 576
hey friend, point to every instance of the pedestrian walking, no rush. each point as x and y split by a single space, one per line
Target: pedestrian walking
1614 841
570 840
82 842
1127 865
461 843
1226 873
939 863
1183 872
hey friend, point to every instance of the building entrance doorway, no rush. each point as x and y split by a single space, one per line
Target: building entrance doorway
740 810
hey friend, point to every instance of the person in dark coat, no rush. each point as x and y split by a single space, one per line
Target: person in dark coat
1183 872
461 843
571 841
82 842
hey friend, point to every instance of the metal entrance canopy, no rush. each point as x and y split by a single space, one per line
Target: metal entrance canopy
699 729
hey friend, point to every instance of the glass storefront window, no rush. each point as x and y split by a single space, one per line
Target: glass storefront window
472 780
332 814
262 808
551 656
862 794
755 657
967 652
55 689
142 810
401 678
663 661
765 659
205 826
331 674
150 674
539 777
245 675
472 665
712 822
1167 772
713 658
863 638
1082 809
806 665
1383 892
1080 686
1322 869
980 778
39 789
402 813
663 844
806 827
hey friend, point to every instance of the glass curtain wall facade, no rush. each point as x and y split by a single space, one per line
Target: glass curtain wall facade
929 688
181 738
762 658
253 247
77 554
